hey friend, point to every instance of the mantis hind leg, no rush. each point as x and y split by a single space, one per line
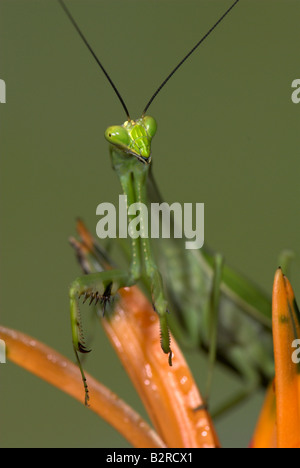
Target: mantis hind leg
285 259
251 382
212 324
214 302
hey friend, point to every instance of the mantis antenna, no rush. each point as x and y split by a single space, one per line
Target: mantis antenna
66 10
188 55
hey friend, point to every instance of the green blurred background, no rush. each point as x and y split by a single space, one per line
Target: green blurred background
228 137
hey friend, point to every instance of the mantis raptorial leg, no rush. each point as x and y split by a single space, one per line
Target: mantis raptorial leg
103 286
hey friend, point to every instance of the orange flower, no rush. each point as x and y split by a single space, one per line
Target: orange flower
54 368
169 394
286 329
279 424
265 432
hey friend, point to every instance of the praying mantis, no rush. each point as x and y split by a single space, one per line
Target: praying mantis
202 293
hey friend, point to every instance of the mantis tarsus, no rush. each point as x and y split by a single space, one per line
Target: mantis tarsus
195 284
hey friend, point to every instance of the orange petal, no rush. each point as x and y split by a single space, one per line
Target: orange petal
285 331
169 394
63 374
265 431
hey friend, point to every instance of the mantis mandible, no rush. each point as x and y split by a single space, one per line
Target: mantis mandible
242 307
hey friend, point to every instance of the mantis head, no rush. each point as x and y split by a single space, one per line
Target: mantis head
134 137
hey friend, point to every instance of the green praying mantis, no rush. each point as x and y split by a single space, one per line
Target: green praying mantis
203 301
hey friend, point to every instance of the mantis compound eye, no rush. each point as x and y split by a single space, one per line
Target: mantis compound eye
117 135
151 125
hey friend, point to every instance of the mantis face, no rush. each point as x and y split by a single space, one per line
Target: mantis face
134 137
